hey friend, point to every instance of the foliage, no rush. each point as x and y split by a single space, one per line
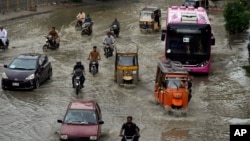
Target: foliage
76 0
237 16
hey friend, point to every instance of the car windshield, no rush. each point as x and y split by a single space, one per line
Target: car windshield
25 64
127 61
77 116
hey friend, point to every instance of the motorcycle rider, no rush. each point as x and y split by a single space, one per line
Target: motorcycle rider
130 129
78 67
109 40
3 36
54 37
80 18
116 22
94 55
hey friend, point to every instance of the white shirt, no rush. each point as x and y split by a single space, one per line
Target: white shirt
3 33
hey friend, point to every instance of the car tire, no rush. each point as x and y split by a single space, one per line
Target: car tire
50 74
37 84
3 88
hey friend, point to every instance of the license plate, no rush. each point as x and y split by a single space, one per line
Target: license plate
15 84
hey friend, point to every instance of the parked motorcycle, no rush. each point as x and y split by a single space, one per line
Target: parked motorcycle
2 46
114 30
108 50
87 28
77 81
93 67
49 44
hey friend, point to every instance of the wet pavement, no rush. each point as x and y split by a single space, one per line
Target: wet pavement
220 99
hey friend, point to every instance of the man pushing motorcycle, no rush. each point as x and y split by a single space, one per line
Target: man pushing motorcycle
94 55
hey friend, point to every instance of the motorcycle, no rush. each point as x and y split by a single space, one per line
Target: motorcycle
78 25
108 50
49 44
93 67
129 138
87 28
114 30
2 46
77 81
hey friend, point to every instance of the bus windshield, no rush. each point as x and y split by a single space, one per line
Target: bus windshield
188 39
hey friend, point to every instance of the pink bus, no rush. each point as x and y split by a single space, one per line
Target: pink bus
188 38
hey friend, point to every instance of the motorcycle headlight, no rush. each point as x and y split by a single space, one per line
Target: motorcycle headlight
32 76
93 137
64 137
4 76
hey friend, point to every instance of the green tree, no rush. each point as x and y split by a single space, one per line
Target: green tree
237 16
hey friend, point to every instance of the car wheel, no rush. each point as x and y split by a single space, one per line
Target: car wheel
3 88
50 74
37 84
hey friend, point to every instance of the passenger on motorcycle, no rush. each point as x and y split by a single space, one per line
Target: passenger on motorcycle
130 129
116 23
78 66
88 20
80 18
94 55
109 40
3 36
55 39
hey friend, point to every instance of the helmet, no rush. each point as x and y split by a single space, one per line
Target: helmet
78 62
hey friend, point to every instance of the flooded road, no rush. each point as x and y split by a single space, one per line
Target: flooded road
220 99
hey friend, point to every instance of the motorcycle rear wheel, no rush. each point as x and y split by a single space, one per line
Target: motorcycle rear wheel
45 47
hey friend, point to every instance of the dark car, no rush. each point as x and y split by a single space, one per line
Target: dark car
82 121
27 71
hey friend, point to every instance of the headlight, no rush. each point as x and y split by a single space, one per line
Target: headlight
203 64
93 137
32 76
4 75
64 137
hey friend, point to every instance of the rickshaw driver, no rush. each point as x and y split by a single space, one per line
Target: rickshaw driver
94 55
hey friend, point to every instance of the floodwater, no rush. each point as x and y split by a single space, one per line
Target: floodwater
220 99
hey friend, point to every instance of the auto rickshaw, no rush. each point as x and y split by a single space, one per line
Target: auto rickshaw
126 65
150 19
172 86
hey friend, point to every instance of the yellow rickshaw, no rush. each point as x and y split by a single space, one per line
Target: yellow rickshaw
126 65
150 19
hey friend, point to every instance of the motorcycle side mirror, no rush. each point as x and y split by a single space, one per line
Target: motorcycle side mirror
59 121
101 122
5 66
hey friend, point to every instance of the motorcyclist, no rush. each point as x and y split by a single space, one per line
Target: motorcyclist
94 55
109 40
3 36
78 67
116 22
55 39
80 17
130 129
